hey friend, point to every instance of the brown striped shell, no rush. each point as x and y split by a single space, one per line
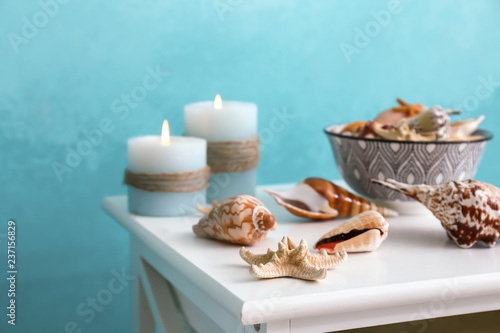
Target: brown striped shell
469 210
320 199
362 233
241 219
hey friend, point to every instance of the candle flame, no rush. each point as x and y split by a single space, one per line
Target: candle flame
165 134
218 102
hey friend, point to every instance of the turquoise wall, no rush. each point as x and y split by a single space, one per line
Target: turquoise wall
67 67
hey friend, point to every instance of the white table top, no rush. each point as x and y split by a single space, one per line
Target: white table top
415 264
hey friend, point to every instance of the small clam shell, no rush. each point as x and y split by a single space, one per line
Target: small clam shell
320 199
394 115
389 117
469 210
362 233
400 132
240 219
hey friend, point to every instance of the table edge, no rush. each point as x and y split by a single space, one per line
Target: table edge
369 298
232 303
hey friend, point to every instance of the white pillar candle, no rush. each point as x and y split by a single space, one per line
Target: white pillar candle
231 121
146 154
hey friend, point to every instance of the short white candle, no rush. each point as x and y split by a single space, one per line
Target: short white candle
146 154
233 121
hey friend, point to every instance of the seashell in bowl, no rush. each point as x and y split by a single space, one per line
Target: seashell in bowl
396 114
469 210
320 199
241 219
465 128
434 122
361 159
362 233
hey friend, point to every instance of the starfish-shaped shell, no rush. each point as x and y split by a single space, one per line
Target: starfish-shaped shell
292 261
409 110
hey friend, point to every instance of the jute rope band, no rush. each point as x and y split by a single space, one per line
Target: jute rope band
189 181
233 156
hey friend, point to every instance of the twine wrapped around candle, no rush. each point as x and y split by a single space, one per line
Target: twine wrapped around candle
233 156
189 181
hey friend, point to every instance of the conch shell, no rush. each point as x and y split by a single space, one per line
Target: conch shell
292 261
320 199
362 233
469 210
241 219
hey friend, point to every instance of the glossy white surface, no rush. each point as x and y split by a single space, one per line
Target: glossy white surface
414 268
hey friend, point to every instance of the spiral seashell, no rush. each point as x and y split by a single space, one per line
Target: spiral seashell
465 128
434 122
469 210
362 233
240 219
320 199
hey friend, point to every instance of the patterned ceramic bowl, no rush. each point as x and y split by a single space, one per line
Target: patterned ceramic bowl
360 159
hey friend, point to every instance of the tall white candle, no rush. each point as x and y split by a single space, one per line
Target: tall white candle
146 154
232 121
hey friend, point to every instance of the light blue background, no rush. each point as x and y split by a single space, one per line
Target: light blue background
284 55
